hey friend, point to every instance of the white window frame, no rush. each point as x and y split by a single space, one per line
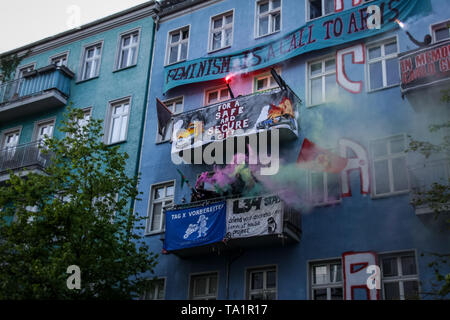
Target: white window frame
156 289
389 157
9 131
110 115
121 48
40 123
222 29
219 90
271 12
329 285
248 277
265 75
19 70
400 278
97 58
322 75
86 111
179 43
59 56
170 104
308 11
208 276
439 25
326 201
381 43
152 201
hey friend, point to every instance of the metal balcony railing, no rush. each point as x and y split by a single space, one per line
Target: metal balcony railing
24 156
36 82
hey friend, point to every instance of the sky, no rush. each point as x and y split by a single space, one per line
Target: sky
26 21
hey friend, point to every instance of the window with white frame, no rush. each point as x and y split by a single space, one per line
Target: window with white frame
324 188
177 48
175 106
326 280
216 95
204 286
156 290
10 140
441 31
382 65
322 86
390 173
319 8
262 284
400 280
24 70
161 196
128 50
268 17
221 31
91 61
60 60
265 81
119 114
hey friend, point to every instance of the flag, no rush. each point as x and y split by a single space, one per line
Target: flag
164 116
183 178
315 158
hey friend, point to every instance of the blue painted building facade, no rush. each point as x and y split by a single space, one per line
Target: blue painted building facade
103 68
321 261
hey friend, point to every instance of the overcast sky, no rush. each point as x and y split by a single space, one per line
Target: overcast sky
26 21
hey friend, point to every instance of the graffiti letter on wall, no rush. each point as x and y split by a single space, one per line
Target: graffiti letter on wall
358 57
356 276
360 162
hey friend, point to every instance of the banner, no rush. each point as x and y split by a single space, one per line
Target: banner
193 227
425 67
250 217
238 117
317 34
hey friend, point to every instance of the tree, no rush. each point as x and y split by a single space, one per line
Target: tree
436 197
9 64
77 212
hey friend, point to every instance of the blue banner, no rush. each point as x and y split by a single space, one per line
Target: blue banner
317 34
193 227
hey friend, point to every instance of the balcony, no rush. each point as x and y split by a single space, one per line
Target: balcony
26 156
229 225
38 91
423 176
243 117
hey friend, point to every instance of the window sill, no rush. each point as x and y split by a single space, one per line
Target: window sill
388 195
154 233
163 142
115 143
384 88
327 204
216 50
174 63
86 80
267 35
126 68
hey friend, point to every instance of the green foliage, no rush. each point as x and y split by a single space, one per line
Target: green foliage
77 220
8 65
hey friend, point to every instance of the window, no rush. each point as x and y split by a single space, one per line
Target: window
204 286
216 95
9 142
221 32
178 46
262 284
156 290
60 60
319 8
161 196
44 129
128 50
325 188
83 122
91 61
118 122
400 280
265 81
326 281
23 70
322 81
268 17
383 65
389 165
441 31
175 106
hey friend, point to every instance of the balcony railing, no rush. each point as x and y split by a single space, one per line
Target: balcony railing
37 90
422 178
30 155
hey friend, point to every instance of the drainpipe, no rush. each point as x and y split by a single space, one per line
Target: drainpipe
229 263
